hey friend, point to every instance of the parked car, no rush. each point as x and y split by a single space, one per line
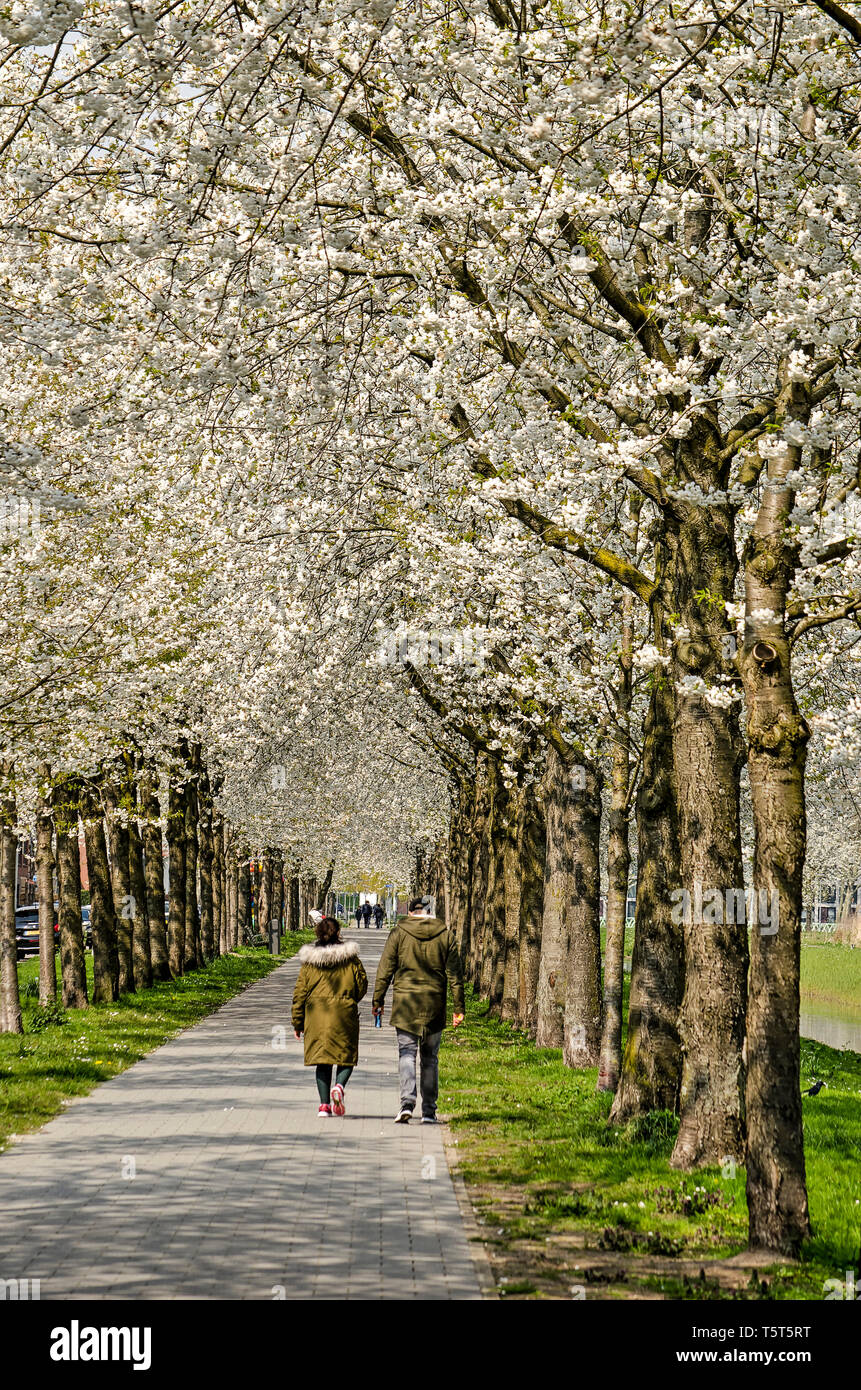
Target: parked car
27 931
85 924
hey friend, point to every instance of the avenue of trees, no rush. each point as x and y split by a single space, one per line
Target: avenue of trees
430 443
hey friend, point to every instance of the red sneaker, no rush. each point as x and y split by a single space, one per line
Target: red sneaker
338 1107
325 1112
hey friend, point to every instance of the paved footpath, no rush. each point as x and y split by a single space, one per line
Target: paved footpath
239 1190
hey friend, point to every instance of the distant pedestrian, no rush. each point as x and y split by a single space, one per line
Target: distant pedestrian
421 957
366 913
330 983
379 915
359 916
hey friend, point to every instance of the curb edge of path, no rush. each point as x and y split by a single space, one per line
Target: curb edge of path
478 1253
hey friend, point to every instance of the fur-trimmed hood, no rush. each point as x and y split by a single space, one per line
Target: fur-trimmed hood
336 954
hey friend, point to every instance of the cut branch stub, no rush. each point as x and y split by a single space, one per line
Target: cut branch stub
765 655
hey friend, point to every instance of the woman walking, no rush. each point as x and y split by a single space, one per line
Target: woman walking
331 982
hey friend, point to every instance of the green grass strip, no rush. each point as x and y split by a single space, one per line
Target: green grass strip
541 1159
831 974
66 1053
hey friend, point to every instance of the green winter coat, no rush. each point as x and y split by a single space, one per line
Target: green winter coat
330 984
421 956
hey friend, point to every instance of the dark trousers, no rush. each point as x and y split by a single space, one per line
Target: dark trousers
324 1079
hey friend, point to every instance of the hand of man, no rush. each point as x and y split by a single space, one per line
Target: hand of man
377 1012
456 1020
297 1036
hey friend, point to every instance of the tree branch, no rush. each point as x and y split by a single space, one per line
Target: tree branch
841 17
559 537
831 615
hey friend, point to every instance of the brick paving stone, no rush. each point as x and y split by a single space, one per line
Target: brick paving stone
239 1189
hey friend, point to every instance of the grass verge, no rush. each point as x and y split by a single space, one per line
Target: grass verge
831 975
65 1053
574 1207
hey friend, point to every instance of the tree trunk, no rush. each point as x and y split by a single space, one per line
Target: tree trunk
244 919
154 877
103 917
618 871
226 943
218 884
777 746
72 962
532 844
303 903
253 897
192 955
509 1003
207 888
10 1002
460 845
438 883
45 893
232 895
582 1041
708 755
118 838
323 890
651 1063
265 913
481 831
712 1019
417 879
176 875
226 899
141 957
278 891
558 872
493 962
294 903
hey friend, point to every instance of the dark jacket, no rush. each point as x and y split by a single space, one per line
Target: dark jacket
330 984
421 956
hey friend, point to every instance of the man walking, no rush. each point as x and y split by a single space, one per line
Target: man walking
421 956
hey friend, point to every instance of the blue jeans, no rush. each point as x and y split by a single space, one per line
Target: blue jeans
428 1048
